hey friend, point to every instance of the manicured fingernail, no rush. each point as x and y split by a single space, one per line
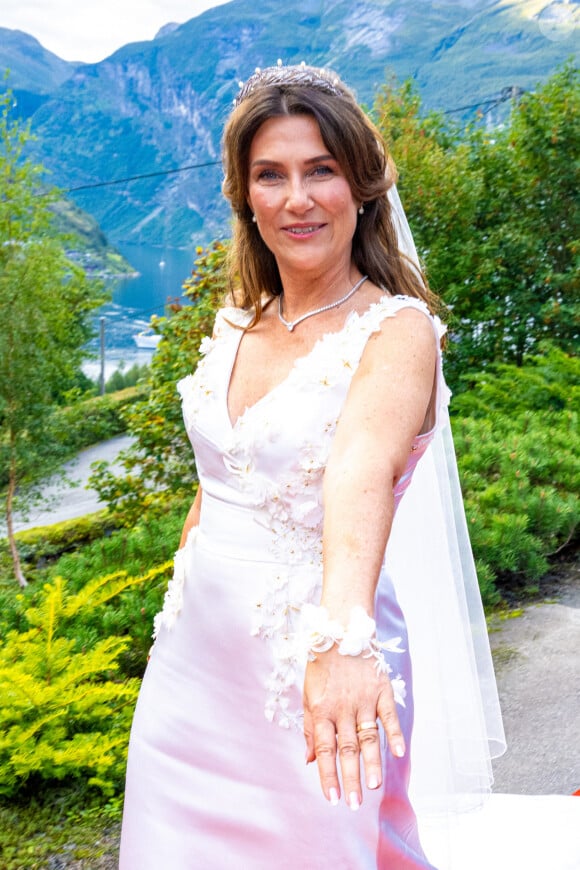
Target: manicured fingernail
373 781
333 795
353 801
399 750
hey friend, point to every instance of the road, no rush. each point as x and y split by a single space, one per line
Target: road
537 659
66 501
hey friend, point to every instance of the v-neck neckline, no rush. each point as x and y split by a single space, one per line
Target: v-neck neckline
233 425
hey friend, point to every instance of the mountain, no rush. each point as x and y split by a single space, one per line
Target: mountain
158 106
34 72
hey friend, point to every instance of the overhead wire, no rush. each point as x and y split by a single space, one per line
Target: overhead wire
505 94
142 175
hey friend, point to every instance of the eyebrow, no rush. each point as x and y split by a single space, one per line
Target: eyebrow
318 159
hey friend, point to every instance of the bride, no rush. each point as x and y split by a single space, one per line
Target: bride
321 674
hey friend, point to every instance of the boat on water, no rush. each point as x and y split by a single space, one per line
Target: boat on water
147 340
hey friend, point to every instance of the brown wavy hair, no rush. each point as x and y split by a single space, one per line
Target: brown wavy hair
357 145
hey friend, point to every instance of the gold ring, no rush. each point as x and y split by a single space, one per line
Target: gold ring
367 726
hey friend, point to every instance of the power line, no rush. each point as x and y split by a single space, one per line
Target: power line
143 175
512 92
493 102
506 94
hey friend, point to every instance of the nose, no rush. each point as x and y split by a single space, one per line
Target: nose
298 195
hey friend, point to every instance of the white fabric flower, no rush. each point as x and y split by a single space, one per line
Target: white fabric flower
318 632
359 632
309 513
173 599
206 344
399 690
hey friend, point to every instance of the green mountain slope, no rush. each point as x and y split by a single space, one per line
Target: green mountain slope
160 105
34 72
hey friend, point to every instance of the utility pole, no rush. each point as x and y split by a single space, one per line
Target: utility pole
102 376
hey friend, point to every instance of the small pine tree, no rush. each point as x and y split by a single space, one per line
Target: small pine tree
65 711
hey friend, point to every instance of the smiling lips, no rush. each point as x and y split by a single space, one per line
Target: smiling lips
303 230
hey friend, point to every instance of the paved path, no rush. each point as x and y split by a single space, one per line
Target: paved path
66 501
537 657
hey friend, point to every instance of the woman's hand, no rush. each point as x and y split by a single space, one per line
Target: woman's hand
343 697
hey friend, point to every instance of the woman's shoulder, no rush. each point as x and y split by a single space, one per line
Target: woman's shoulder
230 317
388 306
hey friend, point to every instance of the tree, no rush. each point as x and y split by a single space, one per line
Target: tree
45 300
496 218
159 463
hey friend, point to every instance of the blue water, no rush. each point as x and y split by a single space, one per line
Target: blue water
162 273
134 301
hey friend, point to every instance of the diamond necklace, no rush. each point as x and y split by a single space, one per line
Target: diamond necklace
290 324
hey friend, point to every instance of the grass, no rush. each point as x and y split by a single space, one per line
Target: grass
504 655
59 828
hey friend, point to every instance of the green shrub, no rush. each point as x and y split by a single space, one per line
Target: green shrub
152 542
520 475
87 422
66 713
550 382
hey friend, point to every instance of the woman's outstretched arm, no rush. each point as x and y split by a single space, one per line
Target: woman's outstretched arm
390 401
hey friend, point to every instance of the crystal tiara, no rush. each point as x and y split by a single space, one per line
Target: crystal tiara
302 75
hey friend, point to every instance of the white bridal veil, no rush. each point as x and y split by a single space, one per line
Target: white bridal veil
458 726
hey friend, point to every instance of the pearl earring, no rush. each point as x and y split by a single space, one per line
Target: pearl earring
362 208
254 220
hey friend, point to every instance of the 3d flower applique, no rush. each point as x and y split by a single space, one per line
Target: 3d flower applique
184 385
206 345
173 599
361 628
308 513
275 620
318 632
399 690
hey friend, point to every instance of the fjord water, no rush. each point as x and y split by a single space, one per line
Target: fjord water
161 273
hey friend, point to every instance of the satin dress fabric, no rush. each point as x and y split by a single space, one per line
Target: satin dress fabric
216 772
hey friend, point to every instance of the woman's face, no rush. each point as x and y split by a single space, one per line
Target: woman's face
300 197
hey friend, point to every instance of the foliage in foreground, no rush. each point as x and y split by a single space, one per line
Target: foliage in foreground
71 656
83 549
66 711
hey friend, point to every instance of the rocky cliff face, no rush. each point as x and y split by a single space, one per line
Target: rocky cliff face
159 106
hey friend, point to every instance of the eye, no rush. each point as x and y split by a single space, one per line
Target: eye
267 175
321 170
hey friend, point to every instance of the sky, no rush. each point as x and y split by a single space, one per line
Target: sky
90 30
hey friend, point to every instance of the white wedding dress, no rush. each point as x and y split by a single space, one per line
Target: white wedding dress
216 773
